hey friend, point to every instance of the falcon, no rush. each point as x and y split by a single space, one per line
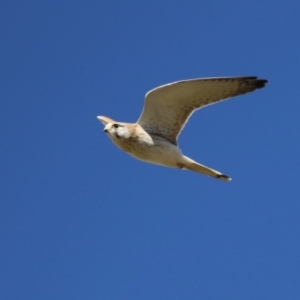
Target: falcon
167 108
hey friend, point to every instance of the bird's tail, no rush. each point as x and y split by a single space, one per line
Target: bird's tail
196 167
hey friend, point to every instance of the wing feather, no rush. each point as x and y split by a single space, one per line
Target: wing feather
168 107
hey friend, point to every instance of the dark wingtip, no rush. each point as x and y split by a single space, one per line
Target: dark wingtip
250 84
260 83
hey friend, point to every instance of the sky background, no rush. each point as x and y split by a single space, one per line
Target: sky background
79 219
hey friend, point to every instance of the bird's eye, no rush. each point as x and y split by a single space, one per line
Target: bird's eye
116 125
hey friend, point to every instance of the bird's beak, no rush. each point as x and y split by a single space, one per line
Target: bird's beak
105 129
105 122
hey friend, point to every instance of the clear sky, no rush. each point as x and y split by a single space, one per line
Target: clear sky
82 220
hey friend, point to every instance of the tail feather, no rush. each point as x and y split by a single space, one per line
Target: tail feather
196 167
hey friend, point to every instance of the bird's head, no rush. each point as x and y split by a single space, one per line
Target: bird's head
115 130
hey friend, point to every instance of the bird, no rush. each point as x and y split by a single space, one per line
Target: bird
167 108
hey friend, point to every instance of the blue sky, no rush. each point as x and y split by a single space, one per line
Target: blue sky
82 220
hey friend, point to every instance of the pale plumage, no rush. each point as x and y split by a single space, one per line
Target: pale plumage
167 108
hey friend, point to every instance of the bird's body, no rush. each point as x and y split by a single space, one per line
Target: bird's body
152 149
167 108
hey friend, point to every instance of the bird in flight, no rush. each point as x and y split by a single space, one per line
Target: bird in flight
167 108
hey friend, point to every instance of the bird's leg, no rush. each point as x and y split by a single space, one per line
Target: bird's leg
181 166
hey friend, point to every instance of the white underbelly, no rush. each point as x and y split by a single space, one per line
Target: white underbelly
162 153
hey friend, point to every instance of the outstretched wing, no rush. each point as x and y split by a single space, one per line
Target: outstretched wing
105 120
168 107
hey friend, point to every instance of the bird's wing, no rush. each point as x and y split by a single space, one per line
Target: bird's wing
105 120
168 107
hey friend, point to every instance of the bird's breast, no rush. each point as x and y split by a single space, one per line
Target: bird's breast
160 152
